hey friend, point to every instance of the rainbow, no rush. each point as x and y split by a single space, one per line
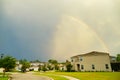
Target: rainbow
97 35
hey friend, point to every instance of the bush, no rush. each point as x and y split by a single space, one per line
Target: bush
69 67
44 68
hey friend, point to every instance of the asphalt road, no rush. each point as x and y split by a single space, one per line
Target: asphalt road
28 76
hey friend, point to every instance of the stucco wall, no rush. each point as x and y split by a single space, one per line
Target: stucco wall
98 60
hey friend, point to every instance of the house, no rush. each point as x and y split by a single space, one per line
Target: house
115 65
62 66
18 66
35 65
1 70
113 59
92 61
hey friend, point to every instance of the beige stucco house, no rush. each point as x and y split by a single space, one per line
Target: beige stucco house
93 61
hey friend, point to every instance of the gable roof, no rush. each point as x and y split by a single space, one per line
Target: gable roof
93 52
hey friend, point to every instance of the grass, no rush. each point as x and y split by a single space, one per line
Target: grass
86 75
5 77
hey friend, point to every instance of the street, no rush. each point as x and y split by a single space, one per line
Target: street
28 76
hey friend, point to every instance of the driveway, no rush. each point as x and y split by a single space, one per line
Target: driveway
28 76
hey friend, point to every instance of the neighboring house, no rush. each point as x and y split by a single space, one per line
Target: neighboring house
18 66
35 65
1 70
62 67
113 59
115 65
93 61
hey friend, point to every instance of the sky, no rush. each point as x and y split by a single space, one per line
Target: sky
58 29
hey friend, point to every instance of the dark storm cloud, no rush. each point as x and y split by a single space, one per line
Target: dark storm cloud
29 27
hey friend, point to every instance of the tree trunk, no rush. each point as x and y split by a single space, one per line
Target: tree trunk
4 72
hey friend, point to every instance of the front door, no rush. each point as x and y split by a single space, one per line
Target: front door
78 67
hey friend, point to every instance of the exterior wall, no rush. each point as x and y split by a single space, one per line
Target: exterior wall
18 67
98 60
62 67
35 65
1 69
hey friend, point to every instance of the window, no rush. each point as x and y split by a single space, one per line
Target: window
71 60
106 66
82 67
93 66
81 59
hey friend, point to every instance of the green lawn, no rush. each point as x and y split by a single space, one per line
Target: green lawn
5 77
86 75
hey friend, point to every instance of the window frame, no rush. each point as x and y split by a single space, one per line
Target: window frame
106 66
82 67
80 58
93 66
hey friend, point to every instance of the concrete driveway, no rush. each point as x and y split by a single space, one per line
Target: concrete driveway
28 76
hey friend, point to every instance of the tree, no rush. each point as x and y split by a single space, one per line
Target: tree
25 65
56 67
36 61
22 61
68 66
52 61
44 68
7 62
49 67
118 57
40 68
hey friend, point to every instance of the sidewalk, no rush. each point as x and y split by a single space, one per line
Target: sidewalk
69 77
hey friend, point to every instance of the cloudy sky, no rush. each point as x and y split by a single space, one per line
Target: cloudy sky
58 29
